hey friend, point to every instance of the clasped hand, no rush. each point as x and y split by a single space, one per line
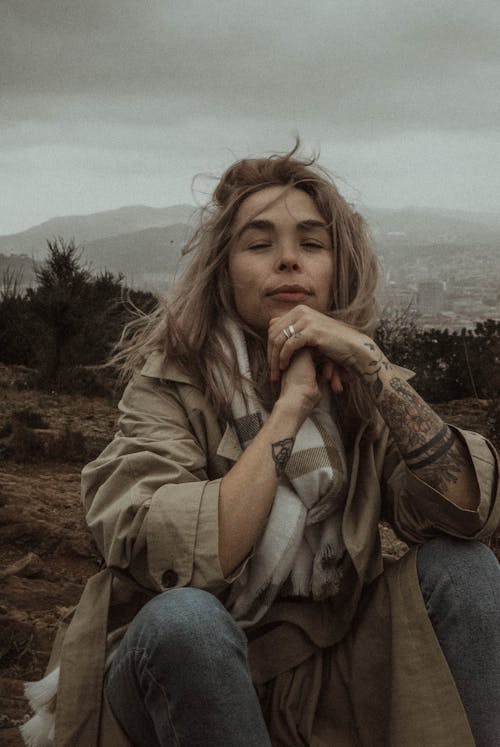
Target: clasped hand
337 351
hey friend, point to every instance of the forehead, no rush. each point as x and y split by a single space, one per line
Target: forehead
274 203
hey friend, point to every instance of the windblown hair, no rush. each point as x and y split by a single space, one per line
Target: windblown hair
188 326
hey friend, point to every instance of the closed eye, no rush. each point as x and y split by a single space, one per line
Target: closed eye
312 245
259 245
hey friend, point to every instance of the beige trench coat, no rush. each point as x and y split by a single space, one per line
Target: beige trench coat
362 669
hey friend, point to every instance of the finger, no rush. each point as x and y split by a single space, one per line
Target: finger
278 336
336 382
327 370
275 344
289 348
270 341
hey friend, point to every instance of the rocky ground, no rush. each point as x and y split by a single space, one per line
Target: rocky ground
46 553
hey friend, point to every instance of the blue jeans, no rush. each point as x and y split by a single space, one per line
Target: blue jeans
460 583
180 676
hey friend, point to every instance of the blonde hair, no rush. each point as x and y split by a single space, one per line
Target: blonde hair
188 326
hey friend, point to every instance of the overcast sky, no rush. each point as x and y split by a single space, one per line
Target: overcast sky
107 103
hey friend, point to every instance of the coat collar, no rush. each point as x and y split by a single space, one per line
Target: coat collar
156 367
229 446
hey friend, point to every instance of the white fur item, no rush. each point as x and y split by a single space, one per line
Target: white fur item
39 730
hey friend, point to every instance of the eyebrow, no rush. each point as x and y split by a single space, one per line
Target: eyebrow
267 225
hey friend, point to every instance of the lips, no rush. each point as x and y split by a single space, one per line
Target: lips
290 289
290 293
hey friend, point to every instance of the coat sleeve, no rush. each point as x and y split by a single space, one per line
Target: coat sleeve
418 512
149 503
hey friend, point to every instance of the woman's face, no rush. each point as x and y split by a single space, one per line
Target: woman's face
281 256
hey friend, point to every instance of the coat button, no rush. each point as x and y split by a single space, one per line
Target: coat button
169 578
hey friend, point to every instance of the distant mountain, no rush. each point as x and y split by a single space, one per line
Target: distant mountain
145 243
410 225
147 259
417 226
141 256
88 228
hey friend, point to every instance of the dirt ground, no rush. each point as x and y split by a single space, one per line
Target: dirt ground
46 552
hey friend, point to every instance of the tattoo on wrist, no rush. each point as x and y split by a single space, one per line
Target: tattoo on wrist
442 464
436 441
281 451
372 375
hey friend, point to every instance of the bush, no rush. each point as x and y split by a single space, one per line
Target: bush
15 321
25 445
91 382
68 446
29 418
28 446
70 319
448 365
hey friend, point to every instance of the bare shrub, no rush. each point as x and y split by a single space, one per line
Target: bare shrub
29 418
68 446
91 381
27 445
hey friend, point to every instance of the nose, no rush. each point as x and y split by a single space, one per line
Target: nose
288 256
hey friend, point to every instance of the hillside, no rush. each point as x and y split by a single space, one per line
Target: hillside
143 256
145 243
147 258
407 226
414 225
88 228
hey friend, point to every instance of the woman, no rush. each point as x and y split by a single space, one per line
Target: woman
263 435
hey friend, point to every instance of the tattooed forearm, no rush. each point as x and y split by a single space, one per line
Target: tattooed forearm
428 446
406 413
281 451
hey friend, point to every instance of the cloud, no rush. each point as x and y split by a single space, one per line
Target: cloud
104 102
360 66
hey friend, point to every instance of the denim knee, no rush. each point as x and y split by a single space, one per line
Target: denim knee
184 623
466 567
180 676
446 553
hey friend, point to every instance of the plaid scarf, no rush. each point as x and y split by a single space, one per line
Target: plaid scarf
300 550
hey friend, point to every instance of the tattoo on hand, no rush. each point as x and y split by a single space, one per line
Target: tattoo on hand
281 451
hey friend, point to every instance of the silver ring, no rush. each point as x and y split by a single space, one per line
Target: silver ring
289 331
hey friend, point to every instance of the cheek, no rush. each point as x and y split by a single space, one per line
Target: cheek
325 276
238 272
243 285
244 276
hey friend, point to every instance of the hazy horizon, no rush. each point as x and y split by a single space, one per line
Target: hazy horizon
436 209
